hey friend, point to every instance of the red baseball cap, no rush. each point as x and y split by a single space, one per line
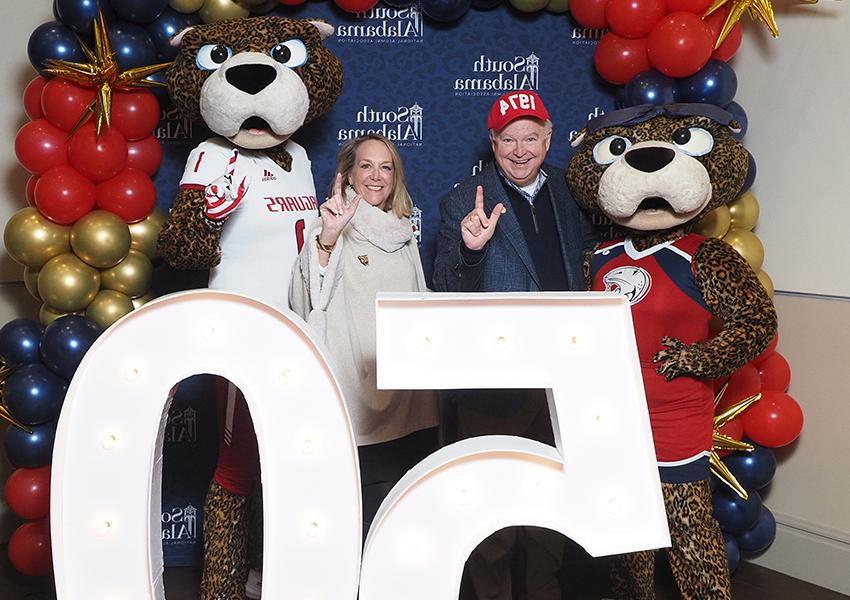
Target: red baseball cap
513 105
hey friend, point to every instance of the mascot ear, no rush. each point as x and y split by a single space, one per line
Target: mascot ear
576 141
734 127
326 30
177 39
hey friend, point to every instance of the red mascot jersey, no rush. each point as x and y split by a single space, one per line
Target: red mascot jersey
660 285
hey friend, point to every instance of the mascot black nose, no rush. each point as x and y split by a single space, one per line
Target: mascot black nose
650 159
251 78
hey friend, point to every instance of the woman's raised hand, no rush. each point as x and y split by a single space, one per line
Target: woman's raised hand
336 213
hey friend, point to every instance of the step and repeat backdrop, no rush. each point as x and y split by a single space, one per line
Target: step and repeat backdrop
428 88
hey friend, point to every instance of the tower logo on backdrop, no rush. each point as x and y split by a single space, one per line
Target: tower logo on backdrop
495 76
182 426
382 25
587 35
402 124
172 126
416 222
180 525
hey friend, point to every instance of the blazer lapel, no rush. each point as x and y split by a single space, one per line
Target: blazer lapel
567 238
508 225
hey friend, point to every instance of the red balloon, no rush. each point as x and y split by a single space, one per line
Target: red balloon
29 549
130 195
773 421
40 146
32 98
27 492
733 429
97 157
679 45
618 59
134 114
31 189
771 348
692 6
355 6
589 13
730 45
634 18
775 373
144 154
743 383
64 102
63 195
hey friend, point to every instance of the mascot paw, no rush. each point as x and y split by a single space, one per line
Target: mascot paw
676 359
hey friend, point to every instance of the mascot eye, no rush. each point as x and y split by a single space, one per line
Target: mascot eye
695 141
211 56
291 53
607 151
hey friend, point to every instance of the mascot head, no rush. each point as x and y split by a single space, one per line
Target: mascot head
651 168
255 81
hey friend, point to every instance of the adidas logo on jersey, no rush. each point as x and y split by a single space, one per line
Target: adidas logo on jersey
268 175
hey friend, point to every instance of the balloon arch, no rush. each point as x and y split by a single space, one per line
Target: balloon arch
87 239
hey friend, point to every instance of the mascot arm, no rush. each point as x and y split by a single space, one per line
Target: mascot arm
189 240
734 294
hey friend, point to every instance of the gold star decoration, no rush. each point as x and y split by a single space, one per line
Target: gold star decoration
5 371
760 10
101 73
724 442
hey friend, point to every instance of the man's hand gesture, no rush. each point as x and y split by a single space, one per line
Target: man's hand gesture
477 227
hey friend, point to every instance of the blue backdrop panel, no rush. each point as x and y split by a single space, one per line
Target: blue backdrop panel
428 87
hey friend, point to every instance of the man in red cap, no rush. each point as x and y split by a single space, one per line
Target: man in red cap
513 227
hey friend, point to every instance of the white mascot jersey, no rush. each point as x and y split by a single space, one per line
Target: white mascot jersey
263 236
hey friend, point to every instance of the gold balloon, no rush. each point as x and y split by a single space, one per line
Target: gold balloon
766 281
558 6
715 224
31 282
221 10
132 276
108 306
747 245
68 284
32 239
744 211
144 233
529 5
101 238
47 314
142 300
186 6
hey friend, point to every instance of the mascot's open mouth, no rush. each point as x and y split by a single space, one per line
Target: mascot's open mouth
654 203
256 125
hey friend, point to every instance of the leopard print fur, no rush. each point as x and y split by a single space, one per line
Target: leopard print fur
225 545
697 554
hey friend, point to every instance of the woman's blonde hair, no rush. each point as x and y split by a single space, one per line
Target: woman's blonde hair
399 200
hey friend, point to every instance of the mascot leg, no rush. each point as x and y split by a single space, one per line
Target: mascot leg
697 555
226 511
633 575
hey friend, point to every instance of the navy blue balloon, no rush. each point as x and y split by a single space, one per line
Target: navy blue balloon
133 45
139 11
485 4
751 173
737 112
65 342
753 470
759 537
650 87
169 24
19 340
30 450
735 514
265 7
716 83
733 553
77 14
445 11
53 40
34 394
